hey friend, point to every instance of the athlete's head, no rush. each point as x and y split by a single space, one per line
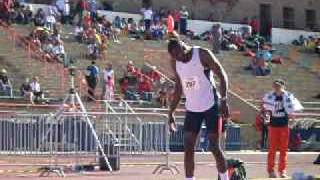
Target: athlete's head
176 49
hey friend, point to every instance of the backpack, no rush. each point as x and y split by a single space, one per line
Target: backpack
236 170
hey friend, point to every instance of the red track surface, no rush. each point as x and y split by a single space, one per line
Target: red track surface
137 168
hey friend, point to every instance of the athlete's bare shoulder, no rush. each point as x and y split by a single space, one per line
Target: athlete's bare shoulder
206 56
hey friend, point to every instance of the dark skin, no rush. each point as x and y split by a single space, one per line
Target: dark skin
183 53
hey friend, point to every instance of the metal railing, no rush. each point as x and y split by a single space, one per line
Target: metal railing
68 138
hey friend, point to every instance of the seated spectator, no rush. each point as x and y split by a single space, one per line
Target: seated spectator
18 15
136 30
124 85
47 49
79 33
157 31
26 91
262 68
130 67
145 88
56 33
50 19
40 18
5 84
93 49
124 24
34 39
27 14
36 89
154 74
58 51
87 22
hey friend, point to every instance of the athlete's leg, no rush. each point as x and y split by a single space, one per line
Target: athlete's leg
214 126
217 152
190 139
192 127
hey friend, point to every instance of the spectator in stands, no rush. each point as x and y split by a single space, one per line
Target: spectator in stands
158 31
117 23
124 85
108 76
18 15
5 10
92 77
261 65
176 17
5 83
170 23
58 51
109 89
154 74
133 30
145 88
36 89
124 24
79 33
50 19
93 49
26 90
255 25
81 7
93 7
184 15
163 97
281 104
87 21
28 14
147 16
217 37
136 30
47 48
63 7
56 34
40 18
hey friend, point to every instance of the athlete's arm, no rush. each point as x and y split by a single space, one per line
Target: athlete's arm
209 60
176 98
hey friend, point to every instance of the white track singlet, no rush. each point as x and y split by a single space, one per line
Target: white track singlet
196 86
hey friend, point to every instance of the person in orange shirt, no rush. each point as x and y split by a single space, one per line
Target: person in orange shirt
170 23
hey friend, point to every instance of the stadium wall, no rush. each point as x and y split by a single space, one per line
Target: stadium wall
231 11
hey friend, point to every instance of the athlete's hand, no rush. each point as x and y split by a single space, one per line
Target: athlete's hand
224 110
172 123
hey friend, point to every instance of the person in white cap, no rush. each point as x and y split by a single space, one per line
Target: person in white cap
281 106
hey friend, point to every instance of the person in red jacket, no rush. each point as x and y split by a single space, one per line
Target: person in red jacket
255 25
170 23
145 85
5 9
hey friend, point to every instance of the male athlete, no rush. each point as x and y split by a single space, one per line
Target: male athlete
202 103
